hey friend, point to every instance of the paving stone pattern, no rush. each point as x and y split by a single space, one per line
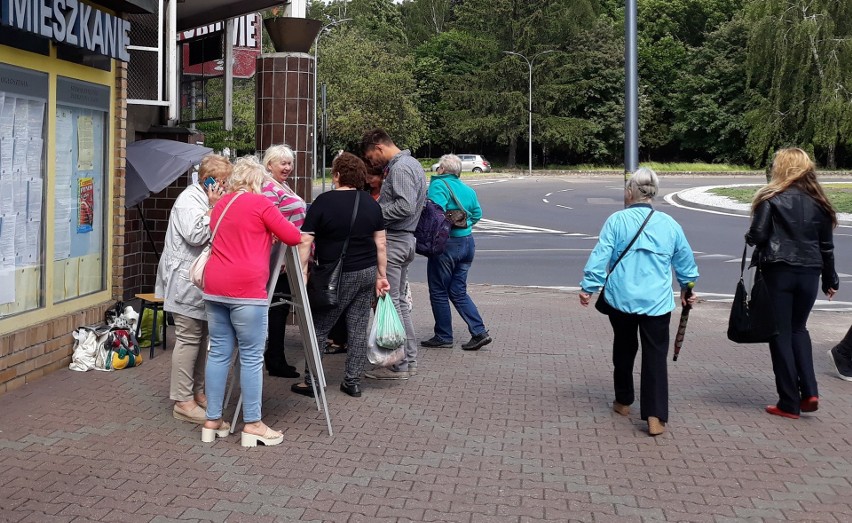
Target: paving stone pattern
519 431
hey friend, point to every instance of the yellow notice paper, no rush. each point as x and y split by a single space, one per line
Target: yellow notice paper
85 143
72 266
90 274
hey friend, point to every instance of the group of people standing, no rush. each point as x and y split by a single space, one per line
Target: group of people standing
240 209
791 230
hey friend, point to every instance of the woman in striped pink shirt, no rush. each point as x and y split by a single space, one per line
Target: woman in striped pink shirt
279 160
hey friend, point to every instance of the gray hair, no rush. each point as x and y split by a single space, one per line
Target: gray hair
643 185
278 152
451 164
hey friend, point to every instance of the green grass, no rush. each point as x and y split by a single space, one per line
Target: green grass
840 195
662 167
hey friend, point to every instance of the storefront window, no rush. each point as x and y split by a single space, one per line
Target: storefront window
23 99
80 212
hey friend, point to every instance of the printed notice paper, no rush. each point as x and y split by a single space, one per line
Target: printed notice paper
86 205
85 143
7 285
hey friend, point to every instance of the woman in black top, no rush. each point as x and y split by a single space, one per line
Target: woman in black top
363 276
792 222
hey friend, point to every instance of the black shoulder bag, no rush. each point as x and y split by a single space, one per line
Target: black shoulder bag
601 304
324 280
752 320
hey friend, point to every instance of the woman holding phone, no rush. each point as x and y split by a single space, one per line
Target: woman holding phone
187 234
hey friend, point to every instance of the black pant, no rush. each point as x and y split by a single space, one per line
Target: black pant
793 291
654 387
274 355
845 345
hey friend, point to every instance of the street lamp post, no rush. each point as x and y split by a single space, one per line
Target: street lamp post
322 31
530 62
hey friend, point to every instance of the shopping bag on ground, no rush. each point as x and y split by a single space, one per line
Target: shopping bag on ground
390 333
148 325
380 356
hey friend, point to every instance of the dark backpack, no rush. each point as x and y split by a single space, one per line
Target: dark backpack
432 231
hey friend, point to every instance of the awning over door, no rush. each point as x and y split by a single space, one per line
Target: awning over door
195 13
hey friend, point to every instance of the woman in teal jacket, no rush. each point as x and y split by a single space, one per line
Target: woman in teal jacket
640 291
447 272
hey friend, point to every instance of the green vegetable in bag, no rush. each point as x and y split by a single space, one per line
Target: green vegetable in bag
390 333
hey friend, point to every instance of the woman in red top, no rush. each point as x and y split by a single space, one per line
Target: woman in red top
235 281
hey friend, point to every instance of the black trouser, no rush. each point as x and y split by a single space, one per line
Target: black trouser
654 387
274 355
793 291
844 348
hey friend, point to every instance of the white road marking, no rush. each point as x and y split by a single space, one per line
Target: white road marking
565 207
493 226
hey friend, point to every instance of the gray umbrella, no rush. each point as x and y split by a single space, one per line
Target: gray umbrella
152 165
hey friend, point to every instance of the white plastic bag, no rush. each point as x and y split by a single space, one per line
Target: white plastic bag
89 351
378 355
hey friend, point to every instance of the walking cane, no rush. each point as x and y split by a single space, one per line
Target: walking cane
684 318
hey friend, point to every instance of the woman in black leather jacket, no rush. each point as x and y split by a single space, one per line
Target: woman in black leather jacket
792 222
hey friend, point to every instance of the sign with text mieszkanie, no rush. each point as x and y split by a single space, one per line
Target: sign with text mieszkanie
70 22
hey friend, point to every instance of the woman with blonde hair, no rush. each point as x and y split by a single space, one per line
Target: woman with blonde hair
235 281
791 227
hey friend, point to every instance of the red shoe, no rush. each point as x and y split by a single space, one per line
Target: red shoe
810 404
775 411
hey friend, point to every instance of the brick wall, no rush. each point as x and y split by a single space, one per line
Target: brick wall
29 354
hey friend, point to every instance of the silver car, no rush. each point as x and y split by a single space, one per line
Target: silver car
471 162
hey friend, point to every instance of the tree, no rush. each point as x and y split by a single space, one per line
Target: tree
710 104
368 86
493 101
423 19
800 74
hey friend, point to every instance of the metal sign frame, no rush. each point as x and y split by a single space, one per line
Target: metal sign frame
299 300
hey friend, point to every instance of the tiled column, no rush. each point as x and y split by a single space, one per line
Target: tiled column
284 111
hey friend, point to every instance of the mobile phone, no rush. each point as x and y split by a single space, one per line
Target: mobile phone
209 183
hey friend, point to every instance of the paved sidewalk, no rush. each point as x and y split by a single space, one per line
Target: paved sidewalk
519 431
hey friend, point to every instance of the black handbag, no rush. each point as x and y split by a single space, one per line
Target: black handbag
752 318
324 281
456 217
601 305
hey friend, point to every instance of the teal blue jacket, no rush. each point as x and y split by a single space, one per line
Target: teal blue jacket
642 281
440 194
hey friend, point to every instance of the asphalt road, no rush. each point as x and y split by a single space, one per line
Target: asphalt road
539 232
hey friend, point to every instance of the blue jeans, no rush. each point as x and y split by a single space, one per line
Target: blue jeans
235 325
447 276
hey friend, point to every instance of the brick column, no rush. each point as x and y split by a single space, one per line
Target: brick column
284 111
118 217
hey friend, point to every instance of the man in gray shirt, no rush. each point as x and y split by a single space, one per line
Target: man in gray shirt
402 198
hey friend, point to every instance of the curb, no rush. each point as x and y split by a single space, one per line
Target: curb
842 218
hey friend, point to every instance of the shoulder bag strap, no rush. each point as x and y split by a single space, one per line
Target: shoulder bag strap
223 215
629 245
351 223
742 263
453 195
